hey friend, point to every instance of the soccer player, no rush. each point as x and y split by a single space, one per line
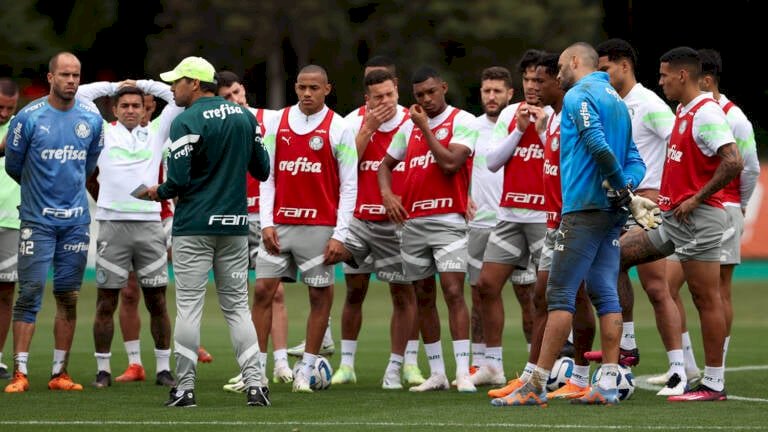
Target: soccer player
652 122
372 234
306 205
495 93
436 145
596 146
702 158
9 220
736 196
51 149
517 237
131 235
232 89
214 143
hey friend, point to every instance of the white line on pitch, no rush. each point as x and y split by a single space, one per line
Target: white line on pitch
641 382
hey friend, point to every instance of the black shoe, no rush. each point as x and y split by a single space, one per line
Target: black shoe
568 350
164 378
103 380
258 396
181 398
4 374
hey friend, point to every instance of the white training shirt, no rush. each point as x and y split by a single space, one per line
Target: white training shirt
652 123
268 115
463 134
503 144
745 141
710 127
344 150
486 184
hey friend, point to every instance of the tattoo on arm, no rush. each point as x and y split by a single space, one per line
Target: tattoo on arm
730 166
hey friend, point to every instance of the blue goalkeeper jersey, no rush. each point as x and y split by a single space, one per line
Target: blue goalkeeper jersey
595 144
50 153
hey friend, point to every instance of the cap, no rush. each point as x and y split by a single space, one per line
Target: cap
191 67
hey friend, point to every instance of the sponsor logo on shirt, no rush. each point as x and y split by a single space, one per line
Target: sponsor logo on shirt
17 134
316 142
297 212
423 161
432 204
156 280
183 152
228 220
301 164
534 151
222 112
252 201
76 247
63 213
441 133
374 209
555 144
524 198
683 125
550 169
584 112
370 165
674 154
68 153
82 130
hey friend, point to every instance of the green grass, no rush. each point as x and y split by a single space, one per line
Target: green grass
364 406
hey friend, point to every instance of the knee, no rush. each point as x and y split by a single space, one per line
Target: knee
560 299
105 305
129 296
279 297
155 302
6 295
454 296
28 303
355 296
263 294
66 305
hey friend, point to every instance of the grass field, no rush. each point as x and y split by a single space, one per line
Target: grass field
364 406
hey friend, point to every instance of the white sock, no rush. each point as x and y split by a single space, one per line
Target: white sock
570 336
59 357
714 377
328 337
580 375
688 357
528 372
435 357
281 357
348 348
609 373
628 336
412 352
461 354
395 363
309 364
102 362
539 378
725 348
20 360
528 348
1 357
133 348
261 358
162 360
676 363
478 354
494 358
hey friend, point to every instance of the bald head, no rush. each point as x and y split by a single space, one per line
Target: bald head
577 61
62 56
585 53
315 69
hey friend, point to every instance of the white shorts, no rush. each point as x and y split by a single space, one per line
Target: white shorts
429 247
301 249
376 247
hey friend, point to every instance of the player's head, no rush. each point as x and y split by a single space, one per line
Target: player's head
526 67
495 90
429 90
192 78
679 72
577 61
711 69
230 88
9 99
380 62
550 91
380 89
128 106
64 76
617 58
312 87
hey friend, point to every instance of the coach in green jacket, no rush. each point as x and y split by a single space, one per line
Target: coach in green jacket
214 144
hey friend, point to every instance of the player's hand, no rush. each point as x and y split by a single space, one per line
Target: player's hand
526 114
335 252
645 212
419 117
541 122
618 198
150 193
685 208
471 210
270 241
395 209
126 83
375 117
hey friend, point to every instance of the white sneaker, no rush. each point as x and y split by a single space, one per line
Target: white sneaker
235 379
464 384
658 379
282 374
436 381
301 384
391 380
326 349
488 375
675 386
236 387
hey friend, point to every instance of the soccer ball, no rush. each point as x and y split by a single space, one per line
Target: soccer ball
561 371
321 374
625 381
321 378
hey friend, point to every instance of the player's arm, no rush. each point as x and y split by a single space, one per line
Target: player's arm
92 184
503 144
258 166
450 159
745 141
156 89
392 203
92 91
372 121
94 149
731 163
183 142
634 167
345 153
16 147
267 198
